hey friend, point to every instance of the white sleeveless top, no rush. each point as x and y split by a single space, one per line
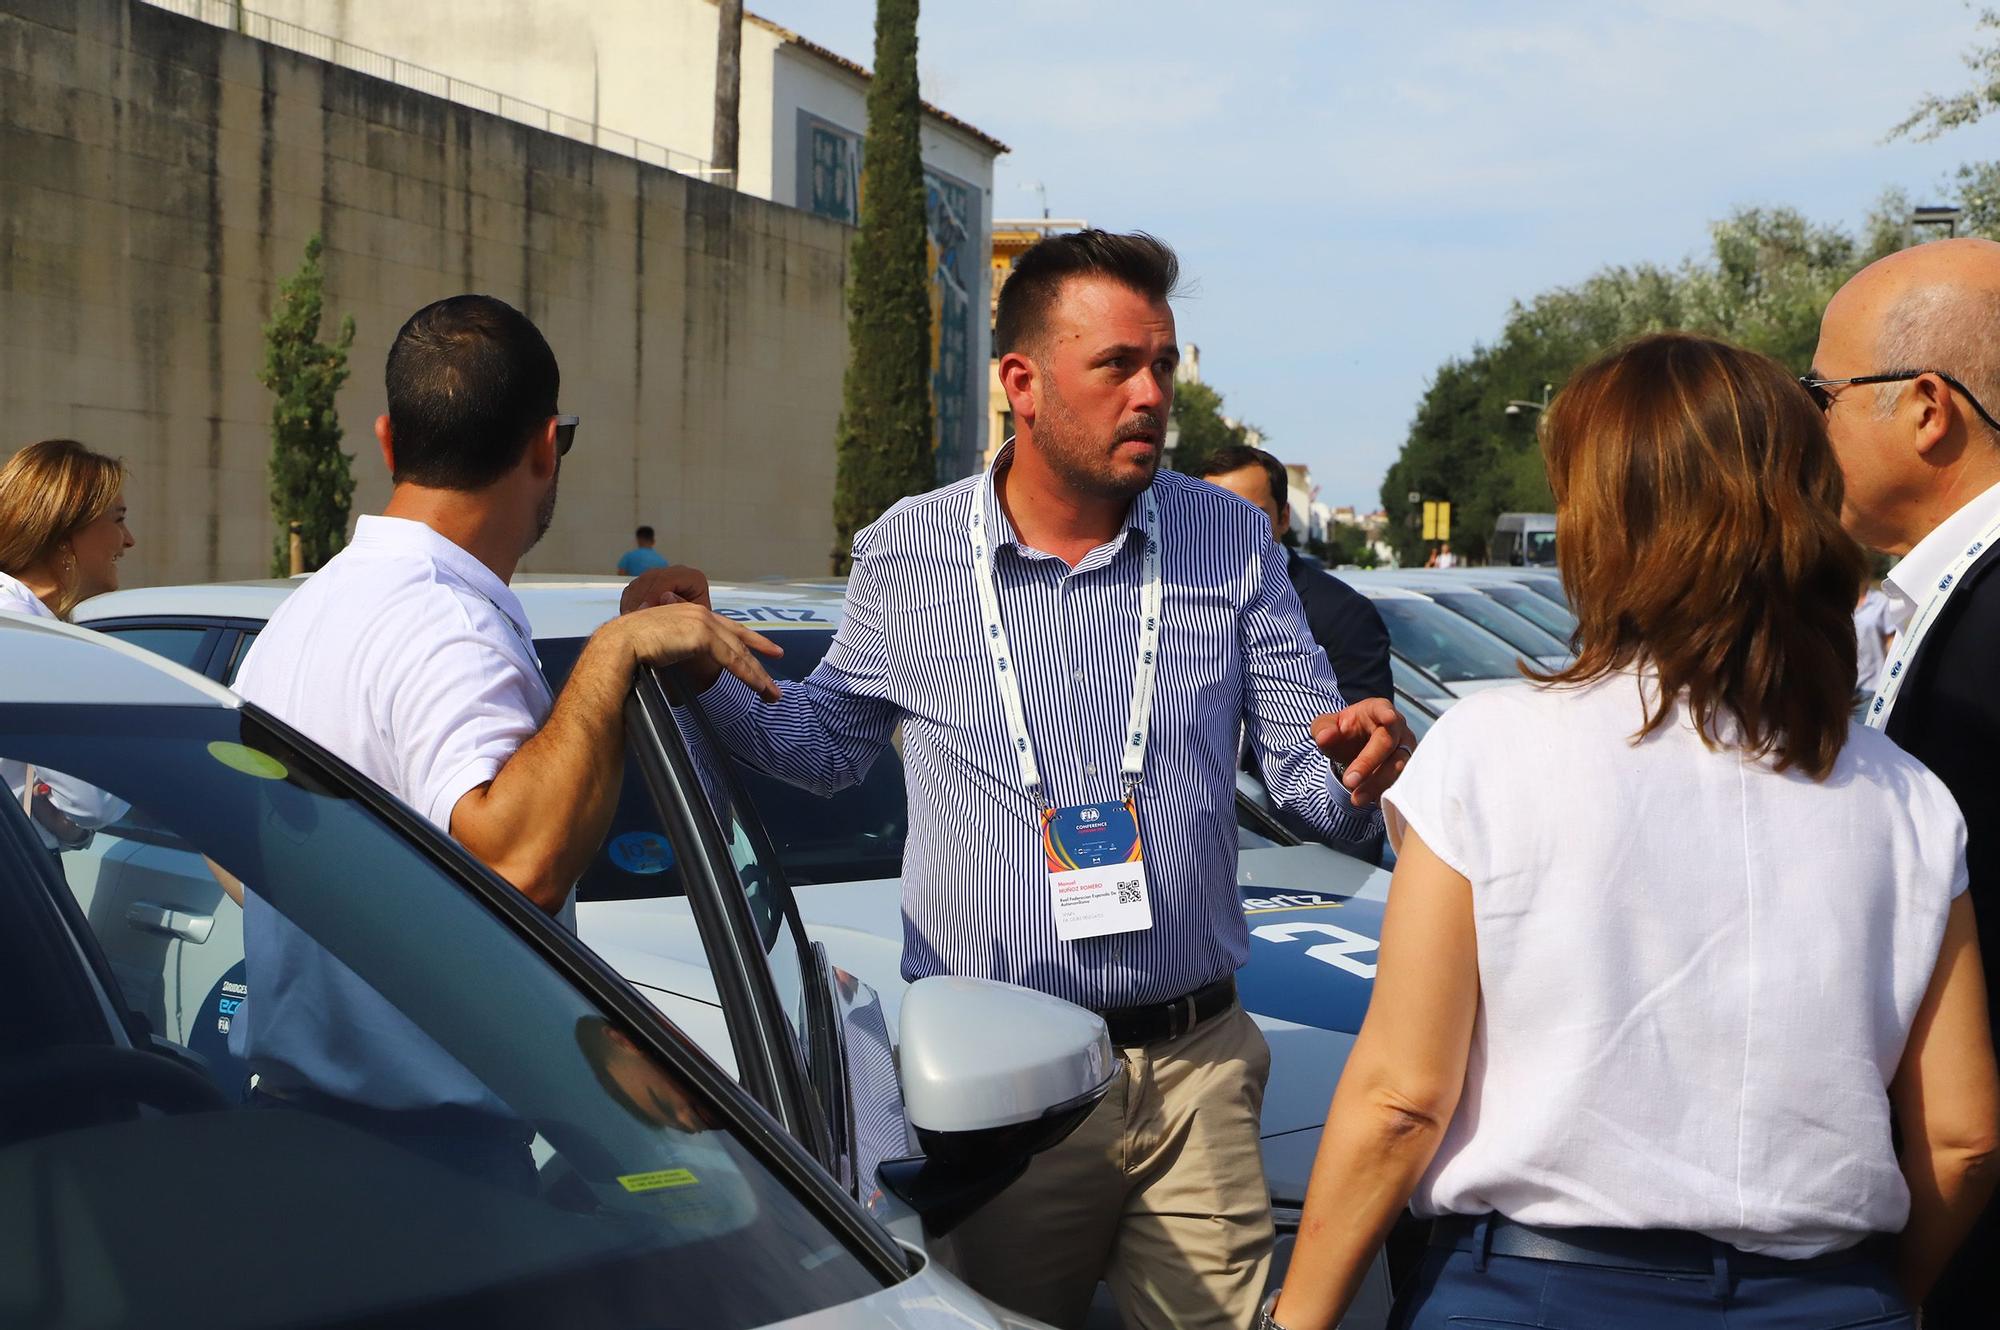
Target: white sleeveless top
1697 974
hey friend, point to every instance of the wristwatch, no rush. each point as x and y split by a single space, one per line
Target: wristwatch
1265 1321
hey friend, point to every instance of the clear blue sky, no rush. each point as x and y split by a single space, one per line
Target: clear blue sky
1359 191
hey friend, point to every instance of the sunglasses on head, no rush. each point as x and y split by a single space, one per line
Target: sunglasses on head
565 434
1816 388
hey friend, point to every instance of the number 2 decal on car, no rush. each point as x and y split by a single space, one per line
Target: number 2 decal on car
1340 953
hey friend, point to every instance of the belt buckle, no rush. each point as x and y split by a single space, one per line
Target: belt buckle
1174 1027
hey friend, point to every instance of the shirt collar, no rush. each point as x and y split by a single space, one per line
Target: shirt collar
400 535
1918 571
15 596
1003 530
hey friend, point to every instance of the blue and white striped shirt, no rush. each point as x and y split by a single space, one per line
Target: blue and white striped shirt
1235 653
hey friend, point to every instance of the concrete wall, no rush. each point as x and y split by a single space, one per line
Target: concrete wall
159 176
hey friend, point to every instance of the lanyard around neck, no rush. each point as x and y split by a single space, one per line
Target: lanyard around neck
1912 638
1007 678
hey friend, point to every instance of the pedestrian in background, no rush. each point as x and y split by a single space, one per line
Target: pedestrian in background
1442 557
1709 930
1341 620
62 533
642 557
1907 371
1070 645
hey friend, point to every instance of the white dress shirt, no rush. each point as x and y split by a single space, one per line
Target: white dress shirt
1916 574
1697 973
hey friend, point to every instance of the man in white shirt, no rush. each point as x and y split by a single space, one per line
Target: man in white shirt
1908 372
408 656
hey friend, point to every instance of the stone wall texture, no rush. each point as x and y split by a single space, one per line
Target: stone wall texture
159 177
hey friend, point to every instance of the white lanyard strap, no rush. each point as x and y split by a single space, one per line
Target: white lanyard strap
1911 639
1005 673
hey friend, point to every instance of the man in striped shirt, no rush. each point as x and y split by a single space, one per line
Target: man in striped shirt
1008 624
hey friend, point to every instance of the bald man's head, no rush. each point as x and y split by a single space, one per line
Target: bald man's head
1909 449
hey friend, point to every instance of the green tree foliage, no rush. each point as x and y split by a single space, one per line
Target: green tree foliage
1936 115
1198 416
1764 283
884 442
312 481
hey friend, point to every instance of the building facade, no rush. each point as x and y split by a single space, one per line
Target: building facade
639 76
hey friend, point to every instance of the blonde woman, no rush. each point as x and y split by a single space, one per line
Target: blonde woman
62 527
1672 942
62 532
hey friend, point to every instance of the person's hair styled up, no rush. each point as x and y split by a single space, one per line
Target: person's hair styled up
49 491
1698 509
1241 457
470 382
1137 261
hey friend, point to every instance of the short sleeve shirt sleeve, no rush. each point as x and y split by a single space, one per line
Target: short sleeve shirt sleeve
459 715
1430 797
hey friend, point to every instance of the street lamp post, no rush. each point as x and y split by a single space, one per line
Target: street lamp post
1934 214
1517 406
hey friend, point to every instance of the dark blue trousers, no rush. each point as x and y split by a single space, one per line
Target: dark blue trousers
1452 1292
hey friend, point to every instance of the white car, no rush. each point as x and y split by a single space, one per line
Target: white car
1314 914
627 1180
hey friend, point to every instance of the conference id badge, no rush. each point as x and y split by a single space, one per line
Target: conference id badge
1097 880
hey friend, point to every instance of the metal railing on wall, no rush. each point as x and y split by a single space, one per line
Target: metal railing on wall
290 36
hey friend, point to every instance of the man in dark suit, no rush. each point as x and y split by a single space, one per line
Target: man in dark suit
1344 624
1919 446
1341 619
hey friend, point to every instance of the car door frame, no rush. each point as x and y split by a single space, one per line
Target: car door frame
219 647
769 1061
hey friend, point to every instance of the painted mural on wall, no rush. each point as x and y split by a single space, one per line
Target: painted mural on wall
830 164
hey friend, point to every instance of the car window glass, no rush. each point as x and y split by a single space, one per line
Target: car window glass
1437 640
183 645
1409 679
1510 627
1537 609
853 836
237 655
392 1060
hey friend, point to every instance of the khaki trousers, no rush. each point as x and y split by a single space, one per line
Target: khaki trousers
1160 1194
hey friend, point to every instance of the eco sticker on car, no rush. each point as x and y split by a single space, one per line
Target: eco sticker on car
641 852
247 760
660 1179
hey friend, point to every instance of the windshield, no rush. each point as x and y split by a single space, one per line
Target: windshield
1439 641
854 836
1536 609
1506 624
1539 548
414 1113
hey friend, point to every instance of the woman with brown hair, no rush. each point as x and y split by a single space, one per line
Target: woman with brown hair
1670 937
62 532
62 527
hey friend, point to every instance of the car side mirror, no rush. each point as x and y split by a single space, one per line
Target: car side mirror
992 1074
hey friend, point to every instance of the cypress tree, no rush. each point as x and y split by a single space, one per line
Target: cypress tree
884 444
312 482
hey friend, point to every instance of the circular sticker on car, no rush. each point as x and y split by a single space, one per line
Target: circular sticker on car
247 760
641 852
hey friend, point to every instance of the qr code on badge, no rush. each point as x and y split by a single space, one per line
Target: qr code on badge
1129 893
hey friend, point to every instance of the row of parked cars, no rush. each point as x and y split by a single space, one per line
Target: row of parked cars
738 1111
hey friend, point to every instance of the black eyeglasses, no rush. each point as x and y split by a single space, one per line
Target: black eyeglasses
565 434
1817 388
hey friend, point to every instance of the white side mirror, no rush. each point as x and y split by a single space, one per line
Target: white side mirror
992 1074
978 1055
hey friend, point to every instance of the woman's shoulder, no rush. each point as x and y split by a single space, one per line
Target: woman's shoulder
1871 758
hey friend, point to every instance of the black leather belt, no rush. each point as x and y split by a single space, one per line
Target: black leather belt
1133 1026
1667 1251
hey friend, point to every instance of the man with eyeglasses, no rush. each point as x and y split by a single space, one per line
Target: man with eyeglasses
408 656
1907 367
